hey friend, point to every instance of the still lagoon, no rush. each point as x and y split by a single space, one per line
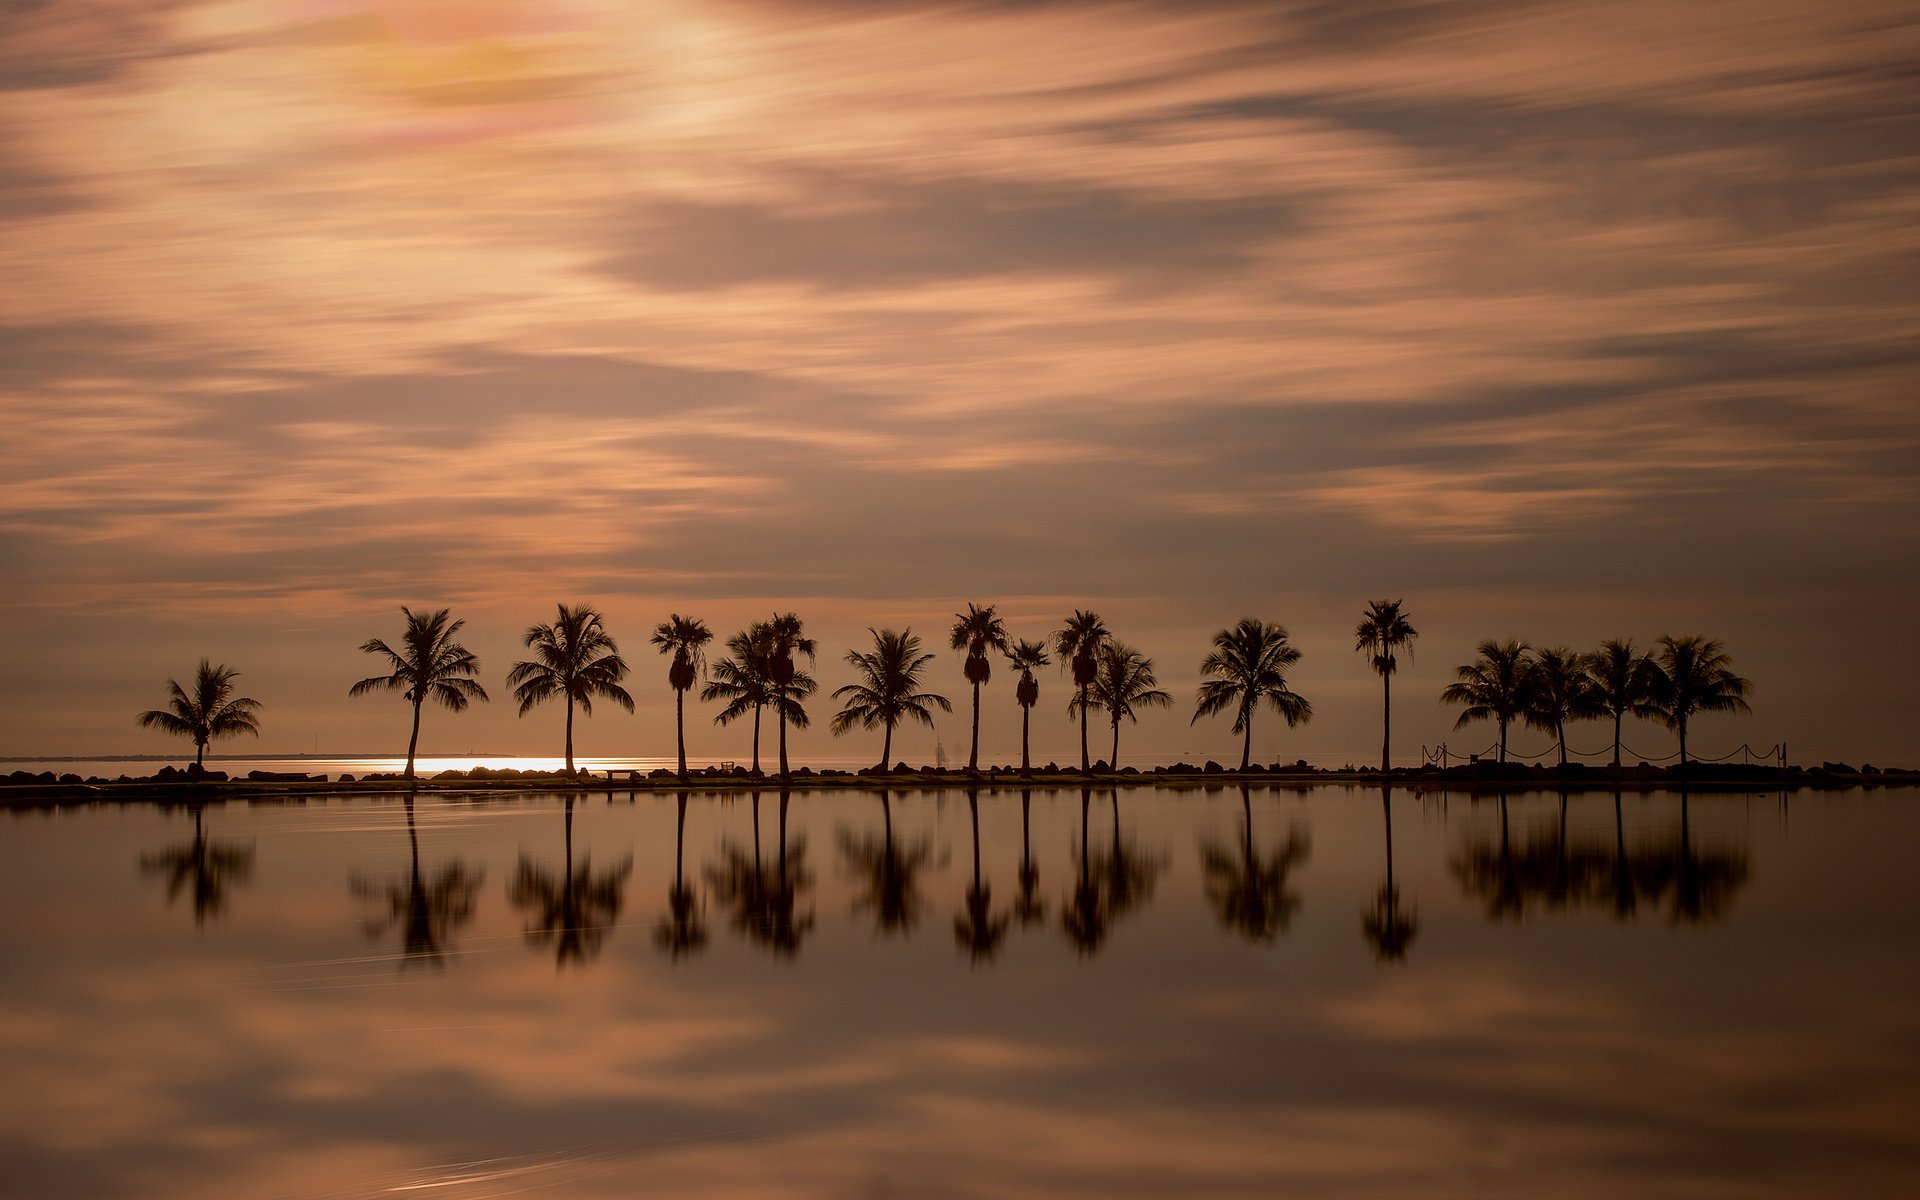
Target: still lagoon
1154 992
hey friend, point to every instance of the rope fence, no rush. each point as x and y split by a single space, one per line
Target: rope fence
1442 754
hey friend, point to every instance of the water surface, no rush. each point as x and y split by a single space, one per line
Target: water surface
1202 992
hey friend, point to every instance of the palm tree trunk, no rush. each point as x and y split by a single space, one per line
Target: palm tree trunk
1616 738
1113 764
783 744
679 843
1503 744
1560 732
1683 741
886 748
570 753
1026 724
756 739
1386 725
973 808
413 742
973 757
199 754
1246 745
680 728
1086 764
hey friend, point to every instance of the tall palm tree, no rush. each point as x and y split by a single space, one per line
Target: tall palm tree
1024 657
686 639
1561 692
1123 683
977 631
1622 681
1494 687
887 690
209 711
1078 644
786 640
1695 675
429 665
1383 630
744 679
1249 664
575 657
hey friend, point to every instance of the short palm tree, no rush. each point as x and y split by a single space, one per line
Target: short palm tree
1561 692
1622 680
1123 683
744 680
1493 687
429 665
1695 675
887 690
209 711
786 640
1024 657
1382 630
575 658
1078 644
685 638
1249 664
977 631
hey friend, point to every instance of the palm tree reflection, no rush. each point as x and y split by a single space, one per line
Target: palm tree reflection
888 872
764 901
680 931
1388 928
1029 907
574 911
426 910
203 869
1248 891
978 929
1109 884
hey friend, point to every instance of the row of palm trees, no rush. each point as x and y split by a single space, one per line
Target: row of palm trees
1547 687
575 659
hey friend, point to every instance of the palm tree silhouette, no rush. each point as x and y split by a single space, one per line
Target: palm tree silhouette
1695 675
1623 684
575 658
890 873
203 869
977 631
1078 644
1123 683
978 929
1387 927
1248 664
744 679
1028 906
679 932
885 691
1382 630
573 911
685 638
428 665
1024 657
762 899
209 711
1110 885
1248 891
1084 917
1496 686
425 911
786 639
1561 692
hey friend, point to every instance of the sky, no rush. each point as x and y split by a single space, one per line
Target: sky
1558 321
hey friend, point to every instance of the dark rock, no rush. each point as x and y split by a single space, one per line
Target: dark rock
1213 768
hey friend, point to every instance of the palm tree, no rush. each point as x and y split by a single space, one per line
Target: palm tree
1623 683
744 679
686 639
576 658
1024 657
977 631
1123 682
1249 664
1381 631
786 639
428 665
211 710
1561 692
1078 645
887 689
1695 675
1494 687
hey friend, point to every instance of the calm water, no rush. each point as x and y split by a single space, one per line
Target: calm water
501 996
